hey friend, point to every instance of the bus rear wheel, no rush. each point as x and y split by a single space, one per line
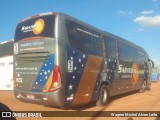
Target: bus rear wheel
103 96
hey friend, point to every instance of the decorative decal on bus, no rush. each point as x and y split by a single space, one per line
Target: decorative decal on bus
37 28
76 62
82 81
130 71
126 69
135 76
44 75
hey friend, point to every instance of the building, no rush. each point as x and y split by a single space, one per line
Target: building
156 74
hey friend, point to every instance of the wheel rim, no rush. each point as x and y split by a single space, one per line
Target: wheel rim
103 95
143 86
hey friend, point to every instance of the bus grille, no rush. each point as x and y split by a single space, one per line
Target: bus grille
33 57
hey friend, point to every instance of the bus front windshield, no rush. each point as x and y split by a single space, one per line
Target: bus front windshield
42 26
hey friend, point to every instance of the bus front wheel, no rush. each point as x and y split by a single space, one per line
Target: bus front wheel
143 86
103 96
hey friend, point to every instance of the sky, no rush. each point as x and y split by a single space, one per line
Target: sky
135 20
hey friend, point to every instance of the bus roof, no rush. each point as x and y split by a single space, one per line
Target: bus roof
38 15
85 24
103 32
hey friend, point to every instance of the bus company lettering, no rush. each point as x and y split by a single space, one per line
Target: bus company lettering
28 44
122 69
89 33
27 68
28 28
37 28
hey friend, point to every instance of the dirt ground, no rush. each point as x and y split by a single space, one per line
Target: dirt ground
130 102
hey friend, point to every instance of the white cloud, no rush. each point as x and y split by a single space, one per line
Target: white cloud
154 0
150 21
147 12
130 12
140 29
122 12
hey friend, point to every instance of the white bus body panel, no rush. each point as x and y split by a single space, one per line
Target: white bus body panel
6 73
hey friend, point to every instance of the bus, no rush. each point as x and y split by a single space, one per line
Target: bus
63 62
6 65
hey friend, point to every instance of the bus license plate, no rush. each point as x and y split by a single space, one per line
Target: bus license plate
30 96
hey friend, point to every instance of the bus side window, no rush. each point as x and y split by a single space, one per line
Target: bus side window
111 48
83 39
72 35
97 47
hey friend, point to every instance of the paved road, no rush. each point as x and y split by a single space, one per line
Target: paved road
147 101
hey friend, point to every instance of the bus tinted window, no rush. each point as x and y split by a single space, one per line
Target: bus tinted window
83 38
111 47
141 56
130 53
39 26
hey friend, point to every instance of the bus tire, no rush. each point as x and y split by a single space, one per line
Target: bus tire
103 96
148 88
143 86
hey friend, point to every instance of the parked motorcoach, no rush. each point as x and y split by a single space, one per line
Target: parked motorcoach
65 62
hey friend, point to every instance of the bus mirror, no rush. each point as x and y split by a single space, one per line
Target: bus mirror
151 63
